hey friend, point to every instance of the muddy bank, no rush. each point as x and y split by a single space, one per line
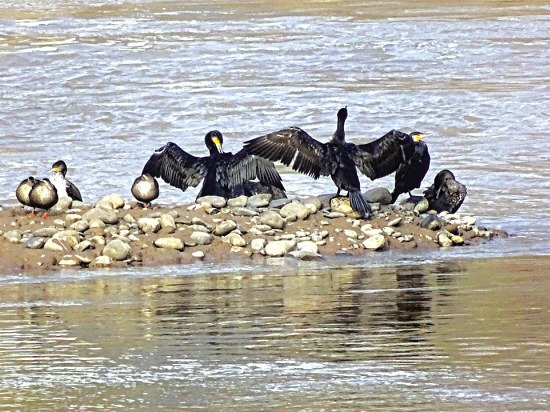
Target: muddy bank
115 233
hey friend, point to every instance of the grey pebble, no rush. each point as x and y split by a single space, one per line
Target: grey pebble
13 236
202 222
46 232
85 244
116 250
395 222
334 215
277 204
225 227
34 242
200 238
244 211
199 228
216 201
260 200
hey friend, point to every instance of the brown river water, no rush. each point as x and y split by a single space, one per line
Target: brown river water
103 84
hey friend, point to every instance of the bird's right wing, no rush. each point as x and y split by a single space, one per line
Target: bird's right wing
176 167
384 155
291 146
244 166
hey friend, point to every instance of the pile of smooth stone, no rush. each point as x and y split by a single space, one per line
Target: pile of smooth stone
111 232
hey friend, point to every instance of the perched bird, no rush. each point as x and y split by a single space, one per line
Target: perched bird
224 174
63 186
336 158
446 193
410 173
43 195
23 190
145 189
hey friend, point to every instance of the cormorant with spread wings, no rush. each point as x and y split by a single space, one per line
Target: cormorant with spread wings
336 158
225 174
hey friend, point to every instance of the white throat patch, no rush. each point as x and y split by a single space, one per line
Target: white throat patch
58 180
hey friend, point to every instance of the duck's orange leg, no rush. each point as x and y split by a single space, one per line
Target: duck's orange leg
31 214
45 215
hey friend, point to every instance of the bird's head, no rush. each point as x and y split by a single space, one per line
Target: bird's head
147 177
343 114
214 141
47 182
442 178
59 167
417 136
445 175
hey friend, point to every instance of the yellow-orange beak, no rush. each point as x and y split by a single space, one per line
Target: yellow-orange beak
418 136
218 144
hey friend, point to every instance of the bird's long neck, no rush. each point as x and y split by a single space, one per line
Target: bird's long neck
339 135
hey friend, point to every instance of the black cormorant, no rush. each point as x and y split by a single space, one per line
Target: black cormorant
410 173
64 187
145 189
336 158
224 174
43 195
446 193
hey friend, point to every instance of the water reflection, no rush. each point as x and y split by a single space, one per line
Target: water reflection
413 301
438 328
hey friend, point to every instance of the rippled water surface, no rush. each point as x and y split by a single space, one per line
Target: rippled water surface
103 84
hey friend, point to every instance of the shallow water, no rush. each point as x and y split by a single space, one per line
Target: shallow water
447 335
103 84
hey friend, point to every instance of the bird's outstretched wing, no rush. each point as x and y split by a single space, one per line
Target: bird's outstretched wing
384 155
176 167
291 146
243 166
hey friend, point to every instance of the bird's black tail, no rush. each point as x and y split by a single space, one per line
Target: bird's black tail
359 203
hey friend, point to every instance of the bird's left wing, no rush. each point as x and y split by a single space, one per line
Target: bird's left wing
292 146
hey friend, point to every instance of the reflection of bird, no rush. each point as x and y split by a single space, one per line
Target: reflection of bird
336 158
145 189
23 190
446 193
410 174
43 195
63 186
224 174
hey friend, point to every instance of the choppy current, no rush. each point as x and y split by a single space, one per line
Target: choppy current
103 84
